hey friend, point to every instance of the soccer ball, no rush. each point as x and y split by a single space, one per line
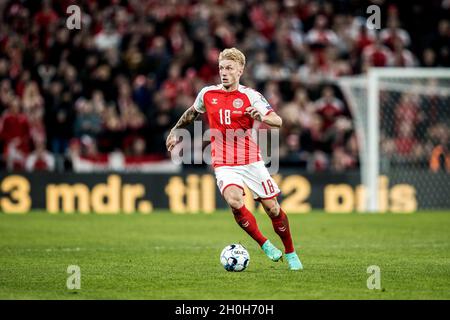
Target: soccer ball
235 258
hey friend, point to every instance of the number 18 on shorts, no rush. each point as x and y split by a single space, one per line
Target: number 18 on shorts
254 175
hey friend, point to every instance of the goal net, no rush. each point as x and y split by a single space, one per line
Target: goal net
402 120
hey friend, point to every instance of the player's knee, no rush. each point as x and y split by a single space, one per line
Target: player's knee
235 202
273 210
234 197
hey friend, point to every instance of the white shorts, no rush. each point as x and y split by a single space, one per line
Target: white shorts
254 175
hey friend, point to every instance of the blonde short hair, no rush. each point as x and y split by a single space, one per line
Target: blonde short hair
234 55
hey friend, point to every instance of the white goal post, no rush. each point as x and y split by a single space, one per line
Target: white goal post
363 94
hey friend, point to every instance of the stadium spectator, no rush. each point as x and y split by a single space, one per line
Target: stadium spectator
440 154
377 55
402 57
429 58
335 65
341 160
393 34
46 17
298 112
175 85
135 125
260 66
311 73
143 92
4 67
160 121
111 136
37 127
405 142
6 94
60 117
440 159
320 36
15 135
208 71
407 110
360 35
344 145
329 107
108 38
40 159
87 121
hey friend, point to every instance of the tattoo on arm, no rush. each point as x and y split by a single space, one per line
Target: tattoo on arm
188 117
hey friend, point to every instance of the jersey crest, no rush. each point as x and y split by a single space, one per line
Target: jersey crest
238 103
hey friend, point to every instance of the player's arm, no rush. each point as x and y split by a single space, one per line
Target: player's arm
271 118
187 118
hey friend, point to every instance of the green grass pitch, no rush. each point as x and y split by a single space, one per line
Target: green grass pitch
167 256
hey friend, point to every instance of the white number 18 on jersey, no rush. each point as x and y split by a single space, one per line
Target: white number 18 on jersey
225 117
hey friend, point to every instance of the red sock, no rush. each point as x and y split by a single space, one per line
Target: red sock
247 221
281 226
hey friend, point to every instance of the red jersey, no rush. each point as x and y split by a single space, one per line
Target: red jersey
15 126
231 129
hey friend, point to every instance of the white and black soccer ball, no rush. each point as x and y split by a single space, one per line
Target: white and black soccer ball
235 258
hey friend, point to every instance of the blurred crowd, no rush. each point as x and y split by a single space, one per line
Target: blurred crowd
120 82
416 130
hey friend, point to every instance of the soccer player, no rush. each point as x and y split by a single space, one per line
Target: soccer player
232 109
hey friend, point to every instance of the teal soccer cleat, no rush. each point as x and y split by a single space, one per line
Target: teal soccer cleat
293 261
271 251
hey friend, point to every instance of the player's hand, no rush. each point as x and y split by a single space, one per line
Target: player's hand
252 112
171 141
